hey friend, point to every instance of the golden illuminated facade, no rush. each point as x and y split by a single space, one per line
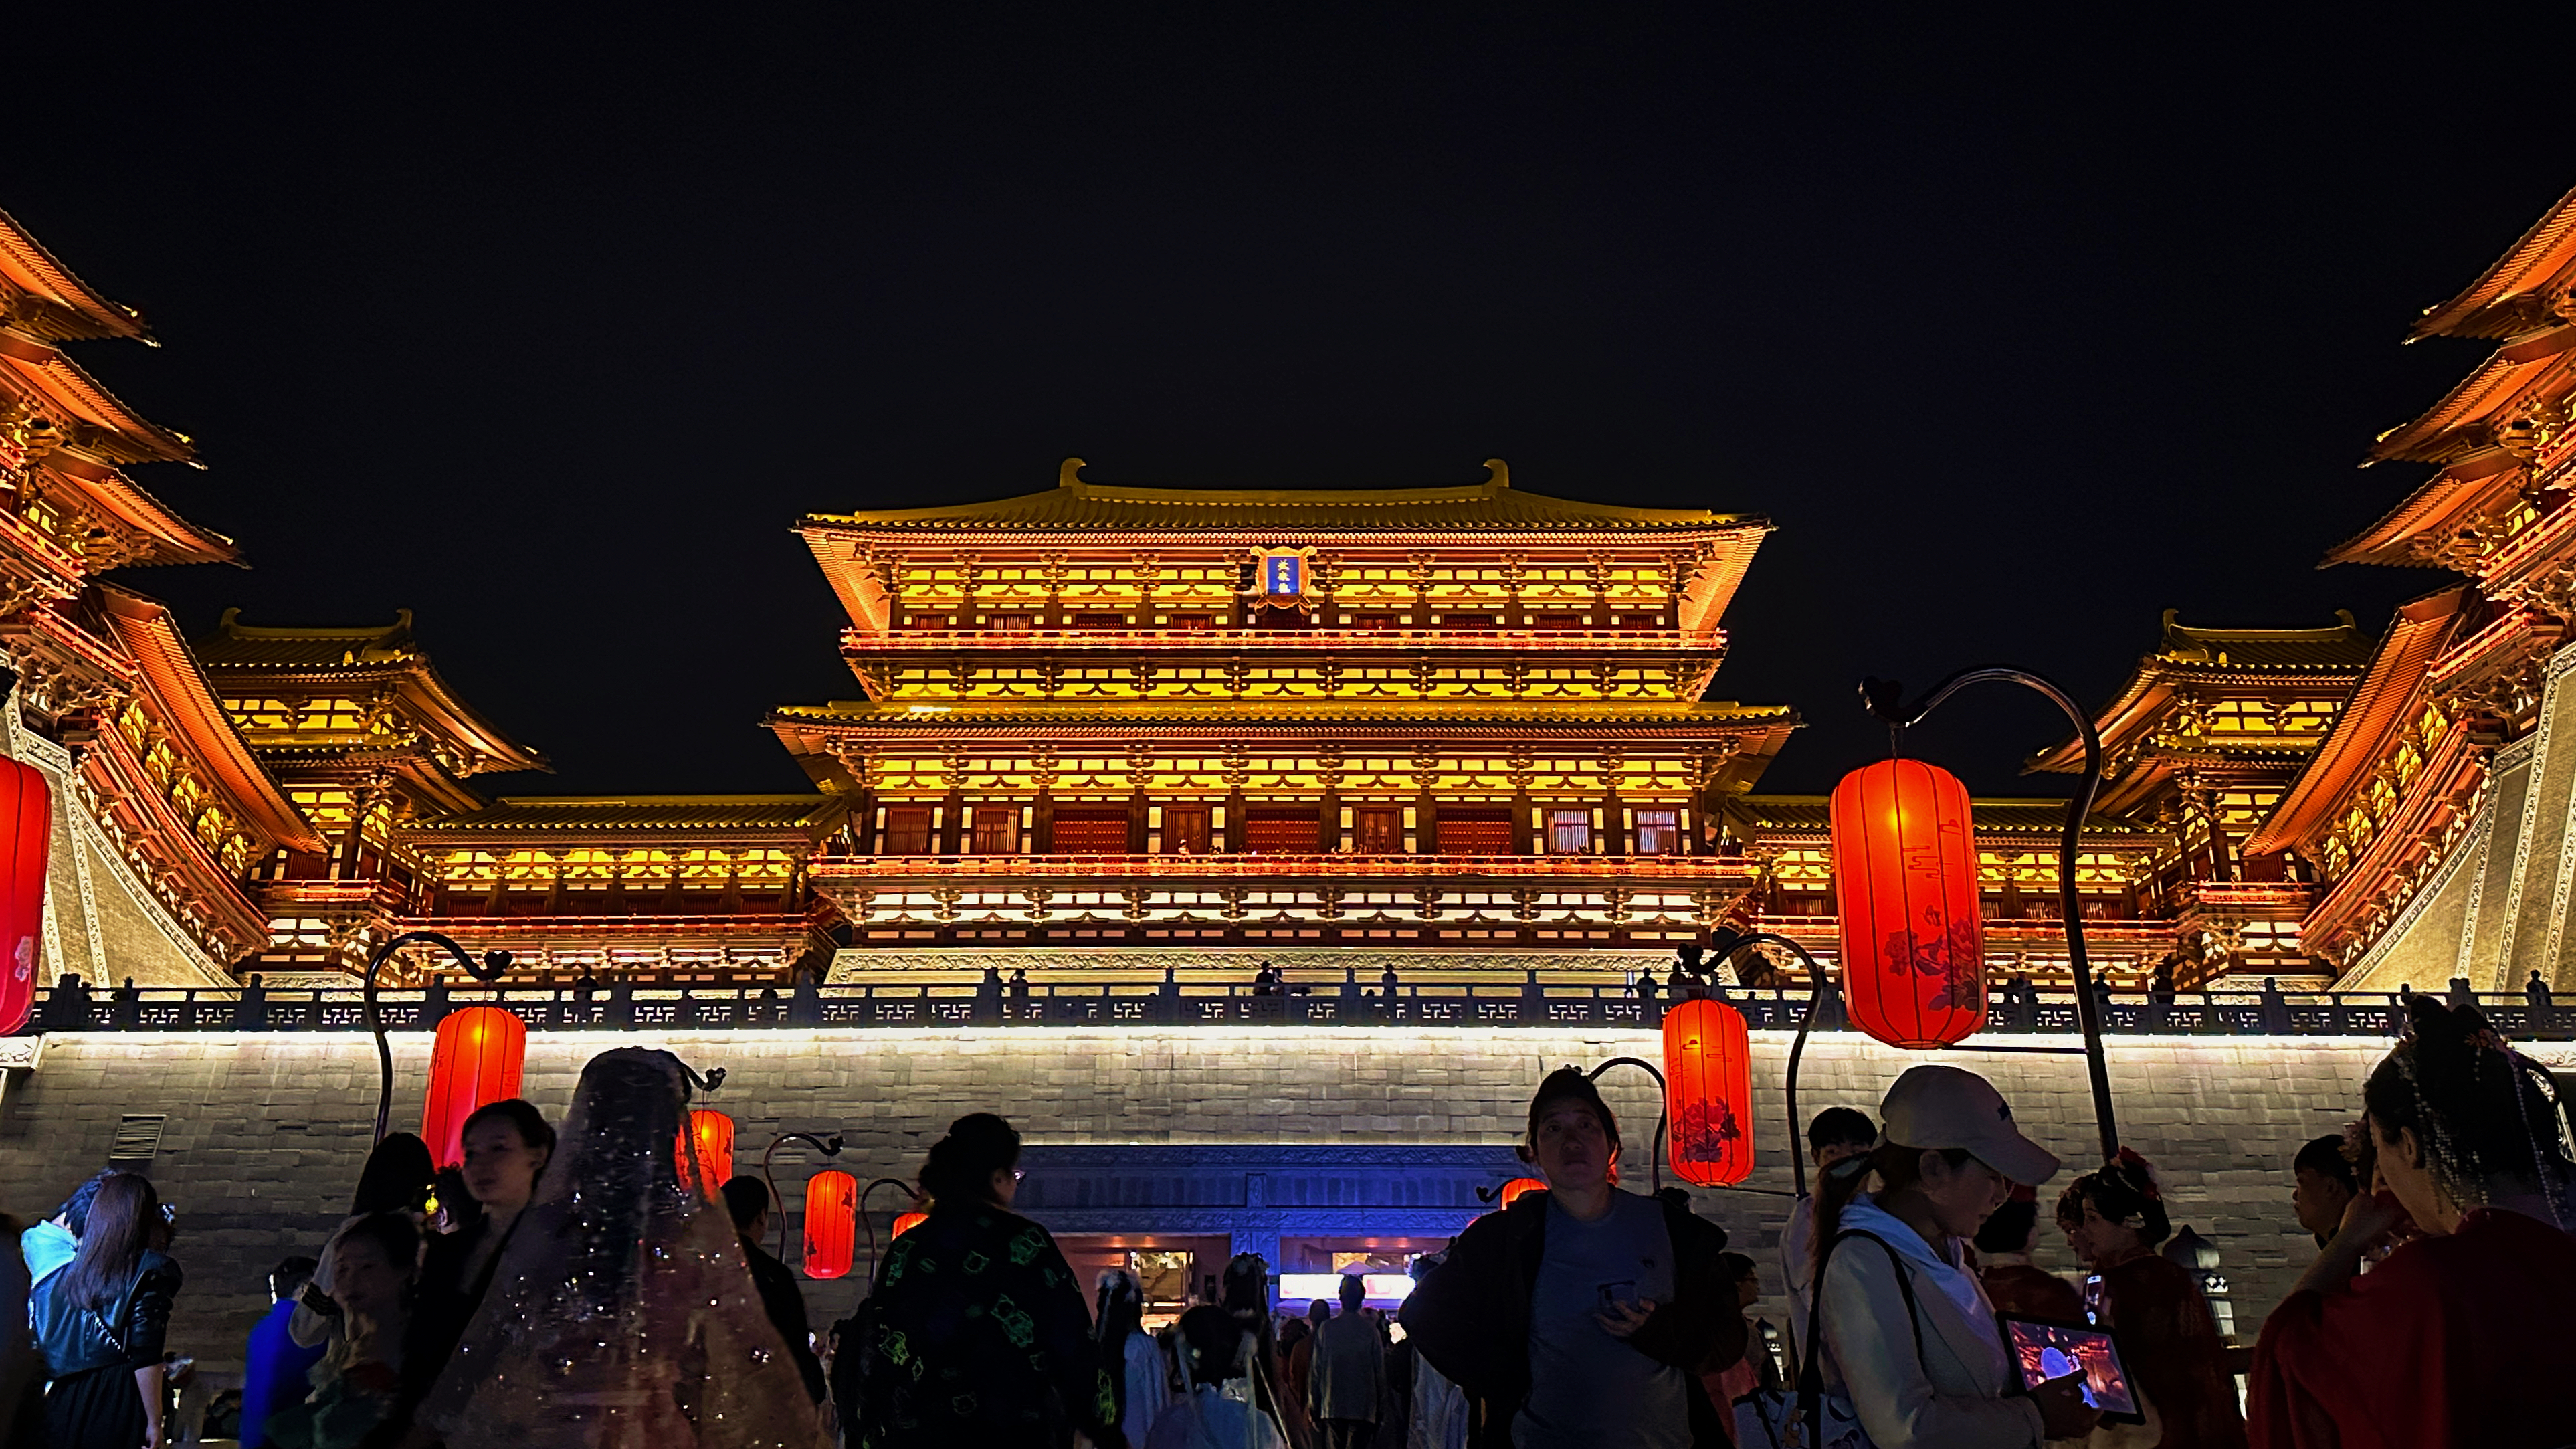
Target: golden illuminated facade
1465 717
377 752
163 809
2198 748
672 889
2017 843
2436 812
367 739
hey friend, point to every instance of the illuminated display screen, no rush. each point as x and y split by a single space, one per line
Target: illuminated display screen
1385 1290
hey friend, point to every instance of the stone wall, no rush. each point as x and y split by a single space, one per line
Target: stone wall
265 1132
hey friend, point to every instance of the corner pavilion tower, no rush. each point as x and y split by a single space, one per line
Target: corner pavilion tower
1464 717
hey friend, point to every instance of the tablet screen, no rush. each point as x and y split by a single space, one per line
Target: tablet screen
2044 1351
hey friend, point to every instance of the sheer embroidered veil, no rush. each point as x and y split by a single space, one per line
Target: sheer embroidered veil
621 1315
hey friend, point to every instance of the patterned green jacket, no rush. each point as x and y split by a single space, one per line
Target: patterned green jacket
982 1338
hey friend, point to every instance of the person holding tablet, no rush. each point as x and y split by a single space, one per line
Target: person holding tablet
2113 1218
2460 1335
1905 1332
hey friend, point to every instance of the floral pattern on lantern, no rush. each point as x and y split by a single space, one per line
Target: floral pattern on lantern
1708 1093
26 829
1513 1190
714 1133
831 1223
1905 884
476 1061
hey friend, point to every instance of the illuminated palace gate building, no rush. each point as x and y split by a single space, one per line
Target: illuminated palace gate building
1456 728
1461 717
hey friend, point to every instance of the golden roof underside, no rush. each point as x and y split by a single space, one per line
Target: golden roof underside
1081 507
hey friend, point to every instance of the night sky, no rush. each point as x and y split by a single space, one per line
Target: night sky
2022 334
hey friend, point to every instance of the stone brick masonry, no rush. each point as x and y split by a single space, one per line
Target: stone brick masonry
266 1132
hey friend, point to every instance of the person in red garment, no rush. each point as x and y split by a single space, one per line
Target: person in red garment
2114 1217
2461 1334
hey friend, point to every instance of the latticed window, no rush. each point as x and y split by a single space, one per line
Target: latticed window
1569 832
997 831
1380 832
1185 829
1659 832
907 830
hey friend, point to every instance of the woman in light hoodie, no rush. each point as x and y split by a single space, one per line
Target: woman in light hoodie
1907 1334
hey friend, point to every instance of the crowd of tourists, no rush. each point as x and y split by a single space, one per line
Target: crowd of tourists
567 1287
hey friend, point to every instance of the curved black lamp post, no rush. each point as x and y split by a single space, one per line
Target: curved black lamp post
1663 1107
828 1147
486 970
871 1227
1722 947
1881 697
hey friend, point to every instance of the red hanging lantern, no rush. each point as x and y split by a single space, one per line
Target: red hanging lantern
476 1061
1708 1093
26 829
831 1223
906 1222
1905 880
714 1133
1513 1189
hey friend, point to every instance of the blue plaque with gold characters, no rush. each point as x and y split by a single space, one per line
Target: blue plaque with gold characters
1283 573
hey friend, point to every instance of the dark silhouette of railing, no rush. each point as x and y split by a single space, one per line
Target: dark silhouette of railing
1130 1002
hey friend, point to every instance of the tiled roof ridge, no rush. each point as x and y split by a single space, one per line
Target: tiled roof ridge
31 262
2345 628
1491 503
2541 252
232 626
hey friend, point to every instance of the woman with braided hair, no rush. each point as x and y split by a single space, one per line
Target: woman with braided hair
2460 1334
2114 1217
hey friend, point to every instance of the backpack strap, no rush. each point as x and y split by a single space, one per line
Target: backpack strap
1811 1374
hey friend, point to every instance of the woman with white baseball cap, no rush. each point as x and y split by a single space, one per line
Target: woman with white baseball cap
1907 1336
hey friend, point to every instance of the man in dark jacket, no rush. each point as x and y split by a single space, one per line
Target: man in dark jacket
747 1198
1581 1315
